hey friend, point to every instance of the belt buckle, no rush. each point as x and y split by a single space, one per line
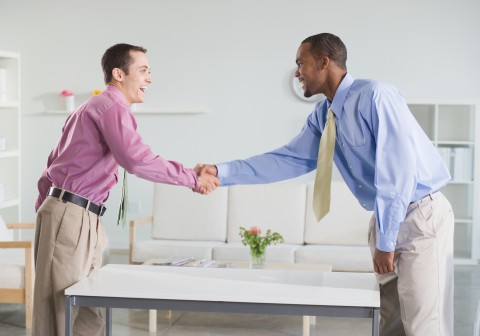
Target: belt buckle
103 208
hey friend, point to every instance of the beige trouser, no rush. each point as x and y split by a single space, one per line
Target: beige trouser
69 242
417 298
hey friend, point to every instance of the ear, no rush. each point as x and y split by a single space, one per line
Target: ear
118 74
323 62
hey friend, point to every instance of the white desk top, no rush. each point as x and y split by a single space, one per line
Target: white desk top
231 285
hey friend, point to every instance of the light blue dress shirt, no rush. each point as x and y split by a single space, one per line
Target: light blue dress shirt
381 152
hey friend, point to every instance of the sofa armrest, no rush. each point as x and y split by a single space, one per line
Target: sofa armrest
133 224
15 244
19 226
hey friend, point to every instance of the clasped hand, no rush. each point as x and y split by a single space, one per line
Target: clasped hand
383 262
207 178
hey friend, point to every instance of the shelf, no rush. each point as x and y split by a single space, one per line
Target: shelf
9 203
9 54
465 261
453 126
62 112
463 221
9 154
10 124
455 143
149 112
460 182
9 104
170 111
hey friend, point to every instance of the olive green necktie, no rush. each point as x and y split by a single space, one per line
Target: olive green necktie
122 211
323 178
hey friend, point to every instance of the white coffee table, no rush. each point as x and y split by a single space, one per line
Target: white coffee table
263 291
307 320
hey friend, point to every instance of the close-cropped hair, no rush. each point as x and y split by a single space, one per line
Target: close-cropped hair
329 45
118 56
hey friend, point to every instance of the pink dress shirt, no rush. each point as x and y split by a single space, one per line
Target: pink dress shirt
100 135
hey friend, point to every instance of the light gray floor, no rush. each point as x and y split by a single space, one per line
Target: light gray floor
135 322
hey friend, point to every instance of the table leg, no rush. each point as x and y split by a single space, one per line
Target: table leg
306 326
108 314
376 322
152 320
68 316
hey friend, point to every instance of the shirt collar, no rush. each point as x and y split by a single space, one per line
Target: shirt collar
112 89
341 95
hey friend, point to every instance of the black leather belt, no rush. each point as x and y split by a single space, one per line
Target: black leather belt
98 210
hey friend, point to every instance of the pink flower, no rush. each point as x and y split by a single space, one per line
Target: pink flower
66 93
254 230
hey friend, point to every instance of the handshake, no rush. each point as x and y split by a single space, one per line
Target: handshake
207 178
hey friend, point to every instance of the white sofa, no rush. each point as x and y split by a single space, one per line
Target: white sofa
188 224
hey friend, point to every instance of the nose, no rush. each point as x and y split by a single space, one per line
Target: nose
296 74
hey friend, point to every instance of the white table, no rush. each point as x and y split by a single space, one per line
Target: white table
263 291
307 320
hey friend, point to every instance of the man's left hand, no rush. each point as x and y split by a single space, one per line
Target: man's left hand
383 262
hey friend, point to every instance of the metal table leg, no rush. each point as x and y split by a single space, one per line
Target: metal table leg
376 322
68 316
108 312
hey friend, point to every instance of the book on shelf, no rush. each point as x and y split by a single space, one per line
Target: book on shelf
459 161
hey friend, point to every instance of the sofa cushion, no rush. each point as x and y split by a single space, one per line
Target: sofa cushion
342 258
179 213
165 249
345 224
279 207
282 253
12 267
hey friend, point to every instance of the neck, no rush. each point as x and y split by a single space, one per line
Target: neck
336 80
118 86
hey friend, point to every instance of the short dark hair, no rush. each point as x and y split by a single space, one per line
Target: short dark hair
329 45
118 56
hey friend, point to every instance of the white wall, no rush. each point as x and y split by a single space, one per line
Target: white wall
234 58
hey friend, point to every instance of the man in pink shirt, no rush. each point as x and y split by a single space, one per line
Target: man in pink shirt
82 168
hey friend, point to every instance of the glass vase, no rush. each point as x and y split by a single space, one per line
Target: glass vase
257 259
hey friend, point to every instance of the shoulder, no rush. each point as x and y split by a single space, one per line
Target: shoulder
106 105
375 90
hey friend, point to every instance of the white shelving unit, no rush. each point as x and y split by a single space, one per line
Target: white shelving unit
10 117
452 126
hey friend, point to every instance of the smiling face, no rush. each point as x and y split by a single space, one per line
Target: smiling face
134 83
311 72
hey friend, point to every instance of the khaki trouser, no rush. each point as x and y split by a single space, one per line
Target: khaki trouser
69 242
417 298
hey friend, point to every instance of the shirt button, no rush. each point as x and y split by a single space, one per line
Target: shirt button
364 205
359 185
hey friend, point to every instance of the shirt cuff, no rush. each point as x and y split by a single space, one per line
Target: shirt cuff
223 171
387 242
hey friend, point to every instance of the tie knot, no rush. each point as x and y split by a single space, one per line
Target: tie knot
329 113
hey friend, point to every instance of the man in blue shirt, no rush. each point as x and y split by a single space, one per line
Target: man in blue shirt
391 167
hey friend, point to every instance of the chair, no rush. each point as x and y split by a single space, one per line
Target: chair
17 272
